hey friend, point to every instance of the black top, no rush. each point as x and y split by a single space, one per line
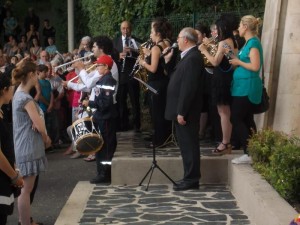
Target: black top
6 190
159 74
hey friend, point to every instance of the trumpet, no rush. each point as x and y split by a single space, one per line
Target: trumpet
67 66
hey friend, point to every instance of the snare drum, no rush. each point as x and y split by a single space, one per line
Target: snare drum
86 138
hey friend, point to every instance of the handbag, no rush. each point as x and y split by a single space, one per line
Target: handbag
264 105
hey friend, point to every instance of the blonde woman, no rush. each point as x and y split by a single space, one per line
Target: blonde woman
30 137
246 86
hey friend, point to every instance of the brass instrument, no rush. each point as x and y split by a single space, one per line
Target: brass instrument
67 66
91 68
212 48
139 71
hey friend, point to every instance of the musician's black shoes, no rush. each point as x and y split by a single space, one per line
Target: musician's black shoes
100 179
183 185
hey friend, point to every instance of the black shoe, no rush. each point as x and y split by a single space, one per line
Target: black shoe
182 186
100 179
137 130
148 138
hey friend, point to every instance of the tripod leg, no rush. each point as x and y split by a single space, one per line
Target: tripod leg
151 168
170 179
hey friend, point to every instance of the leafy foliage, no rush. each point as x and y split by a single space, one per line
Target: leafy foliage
276 156
105 16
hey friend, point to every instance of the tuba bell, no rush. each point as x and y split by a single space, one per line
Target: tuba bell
212 48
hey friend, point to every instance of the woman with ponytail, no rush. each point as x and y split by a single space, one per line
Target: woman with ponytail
30 136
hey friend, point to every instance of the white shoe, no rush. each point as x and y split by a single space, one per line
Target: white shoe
244 159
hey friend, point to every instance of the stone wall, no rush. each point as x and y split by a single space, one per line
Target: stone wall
280 39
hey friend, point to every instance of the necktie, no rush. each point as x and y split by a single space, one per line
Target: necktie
127 41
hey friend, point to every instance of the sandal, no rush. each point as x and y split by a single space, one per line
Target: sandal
90 158
69 151
226 150
32 222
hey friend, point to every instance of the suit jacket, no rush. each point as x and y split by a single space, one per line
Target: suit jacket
185 89
124 67
118 43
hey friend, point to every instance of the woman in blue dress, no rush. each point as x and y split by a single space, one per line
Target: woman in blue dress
30 136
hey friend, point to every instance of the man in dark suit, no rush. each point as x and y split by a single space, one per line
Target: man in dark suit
127 48
184 101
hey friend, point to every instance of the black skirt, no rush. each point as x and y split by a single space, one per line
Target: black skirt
220 86
6 195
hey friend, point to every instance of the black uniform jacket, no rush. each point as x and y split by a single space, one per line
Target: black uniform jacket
103 102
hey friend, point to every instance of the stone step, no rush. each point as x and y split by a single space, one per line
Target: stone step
132 161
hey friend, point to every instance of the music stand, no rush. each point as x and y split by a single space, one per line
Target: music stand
171 139
154 162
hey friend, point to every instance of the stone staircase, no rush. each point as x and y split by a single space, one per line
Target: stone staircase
133 160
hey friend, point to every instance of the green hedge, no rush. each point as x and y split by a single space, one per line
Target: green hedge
276 156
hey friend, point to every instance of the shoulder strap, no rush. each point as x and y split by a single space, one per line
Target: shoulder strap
161 48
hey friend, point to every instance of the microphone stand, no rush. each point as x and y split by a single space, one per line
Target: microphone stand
154 162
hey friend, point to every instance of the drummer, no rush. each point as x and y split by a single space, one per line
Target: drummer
104 117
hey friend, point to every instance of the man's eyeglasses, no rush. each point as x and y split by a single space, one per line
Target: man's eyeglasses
100 65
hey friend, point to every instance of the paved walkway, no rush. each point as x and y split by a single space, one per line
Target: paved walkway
132 205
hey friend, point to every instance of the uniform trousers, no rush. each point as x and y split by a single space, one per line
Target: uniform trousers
107 128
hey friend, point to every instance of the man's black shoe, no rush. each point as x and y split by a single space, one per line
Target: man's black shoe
100 179
182 186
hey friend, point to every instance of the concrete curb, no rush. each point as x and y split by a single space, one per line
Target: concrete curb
260 202
257 198
73 209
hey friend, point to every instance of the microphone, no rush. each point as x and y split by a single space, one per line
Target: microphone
175 45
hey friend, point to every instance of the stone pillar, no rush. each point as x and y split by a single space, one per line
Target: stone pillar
70 25
280 39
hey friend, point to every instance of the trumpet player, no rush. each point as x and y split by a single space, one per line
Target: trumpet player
102 45
106 74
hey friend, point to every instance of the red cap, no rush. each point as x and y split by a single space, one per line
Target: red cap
105 59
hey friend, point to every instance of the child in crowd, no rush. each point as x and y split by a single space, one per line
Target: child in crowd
46 97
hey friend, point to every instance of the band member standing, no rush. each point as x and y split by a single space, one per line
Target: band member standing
127 47
221 81
184 102
158 79
104 117
101 47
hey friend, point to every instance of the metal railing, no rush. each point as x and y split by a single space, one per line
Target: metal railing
179 21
